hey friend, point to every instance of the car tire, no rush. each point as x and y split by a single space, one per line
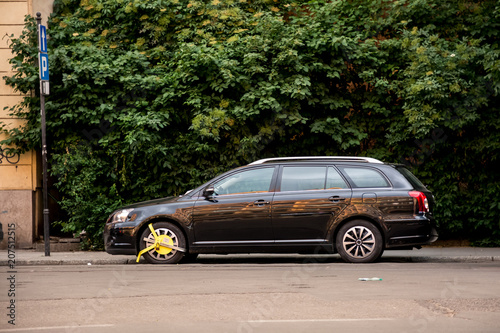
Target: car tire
169 232
359 241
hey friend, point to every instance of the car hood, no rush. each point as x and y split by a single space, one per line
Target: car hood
153 202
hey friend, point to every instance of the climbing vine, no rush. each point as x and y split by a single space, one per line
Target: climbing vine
150 98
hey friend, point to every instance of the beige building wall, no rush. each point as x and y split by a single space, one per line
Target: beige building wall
20 176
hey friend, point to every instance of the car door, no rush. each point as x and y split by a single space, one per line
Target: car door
307 200
239 212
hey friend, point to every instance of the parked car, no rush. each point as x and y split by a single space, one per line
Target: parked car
354 206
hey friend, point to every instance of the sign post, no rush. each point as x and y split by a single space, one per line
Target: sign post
43 62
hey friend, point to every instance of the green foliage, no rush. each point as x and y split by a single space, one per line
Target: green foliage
151 98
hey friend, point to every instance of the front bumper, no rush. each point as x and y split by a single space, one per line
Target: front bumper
119 239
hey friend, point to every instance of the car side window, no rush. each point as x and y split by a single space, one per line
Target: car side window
364 177
334 180
248 181
303 178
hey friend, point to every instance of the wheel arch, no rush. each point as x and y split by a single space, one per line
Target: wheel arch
144 225
339 225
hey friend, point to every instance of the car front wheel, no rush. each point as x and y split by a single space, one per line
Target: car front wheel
169 234
359 241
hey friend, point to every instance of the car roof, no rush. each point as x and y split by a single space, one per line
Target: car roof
318 159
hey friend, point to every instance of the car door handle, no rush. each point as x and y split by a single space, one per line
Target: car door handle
261 202
336 198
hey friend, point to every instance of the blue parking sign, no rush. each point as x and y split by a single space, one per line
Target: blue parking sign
42 35
44 66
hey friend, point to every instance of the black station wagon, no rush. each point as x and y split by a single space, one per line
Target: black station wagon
354 206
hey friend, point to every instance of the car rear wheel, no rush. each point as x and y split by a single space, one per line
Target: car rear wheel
169 234
359 241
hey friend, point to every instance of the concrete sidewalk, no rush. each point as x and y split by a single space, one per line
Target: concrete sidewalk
426 254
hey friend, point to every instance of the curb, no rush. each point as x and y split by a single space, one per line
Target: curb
57 262
465 259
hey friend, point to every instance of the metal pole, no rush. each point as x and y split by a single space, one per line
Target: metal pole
46 224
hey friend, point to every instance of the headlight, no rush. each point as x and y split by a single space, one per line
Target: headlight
120 215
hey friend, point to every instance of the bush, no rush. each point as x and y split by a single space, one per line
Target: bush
151 98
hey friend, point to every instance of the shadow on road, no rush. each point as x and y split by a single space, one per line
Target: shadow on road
282 259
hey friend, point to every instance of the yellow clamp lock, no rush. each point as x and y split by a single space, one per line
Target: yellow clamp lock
163 244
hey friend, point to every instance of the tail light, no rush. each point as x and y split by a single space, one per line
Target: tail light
422 205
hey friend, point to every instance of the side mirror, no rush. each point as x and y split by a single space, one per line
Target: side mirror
208 192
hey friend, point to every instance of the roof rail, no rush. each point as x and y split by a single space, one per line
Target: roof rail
320 158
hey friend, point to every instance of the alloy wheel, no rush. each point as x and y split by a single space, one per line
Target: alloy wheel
168 237
358 242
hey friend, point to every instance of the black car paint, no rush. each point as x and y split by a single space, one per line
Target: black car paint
259 222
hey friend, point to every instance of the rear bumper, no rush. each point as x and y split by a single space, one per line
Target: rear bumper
418 231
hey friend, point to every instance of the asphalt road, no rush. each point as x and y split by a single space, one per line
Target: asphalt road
254 295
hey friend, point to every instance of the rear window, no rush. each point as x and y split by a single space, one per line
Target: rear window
364 177
303 178
414 181
311 178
